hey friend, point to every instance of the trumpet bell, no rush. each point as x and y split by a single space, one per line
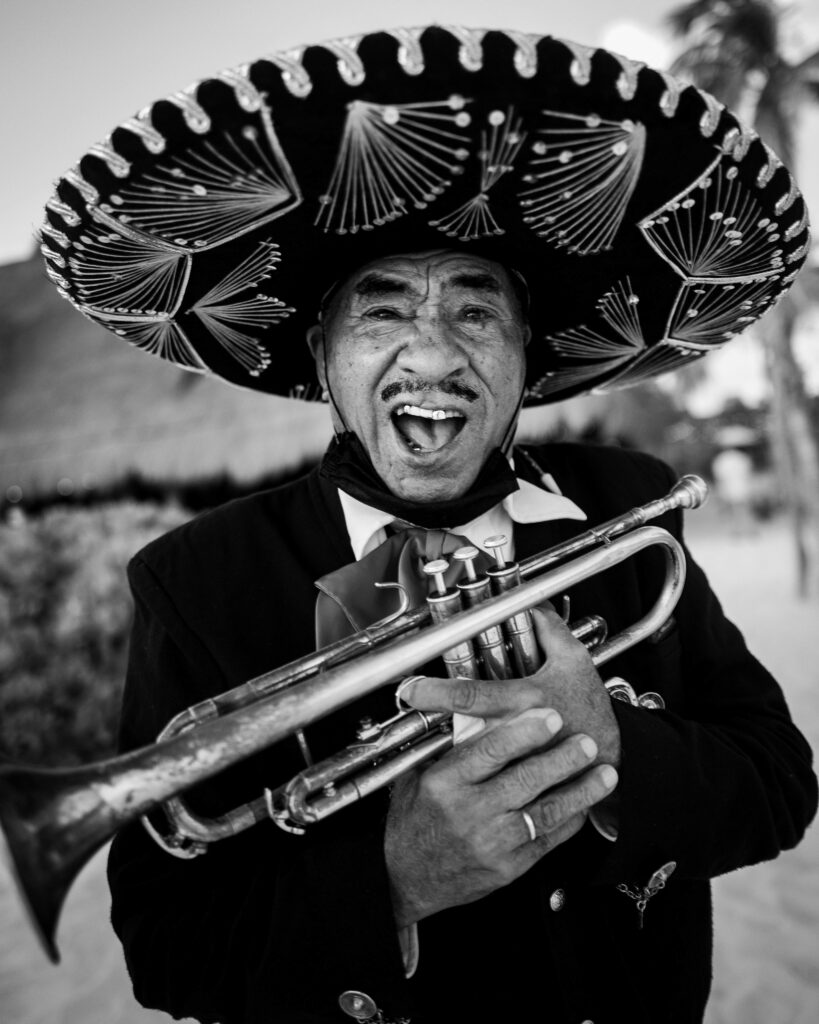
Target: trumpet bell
50 828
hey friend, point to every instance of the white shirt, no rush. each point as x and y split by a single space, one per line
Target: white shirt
366 525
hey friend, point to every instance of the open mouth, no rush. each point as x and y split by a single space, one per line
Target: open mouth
427 430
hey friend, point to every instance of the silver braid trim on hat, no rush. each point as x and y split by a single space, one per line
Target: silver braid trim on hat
54 256
85 188
787 201
58 279
55 235
295 77
525 58
709 121
670 99
142 127
470 54
247 95
350 66
410 54
797 227
798 254
580 69
737 141
627 81
196 117
63 210
768 169
116 163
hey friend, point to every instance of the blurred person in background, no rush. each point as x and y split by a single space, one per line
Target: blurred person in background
733 471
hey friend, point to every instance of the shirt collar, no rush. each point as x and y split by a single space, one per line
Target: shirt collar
529 504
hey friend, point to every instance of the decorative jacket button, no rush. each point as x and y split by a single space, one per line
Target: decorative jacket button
557 900
357 1005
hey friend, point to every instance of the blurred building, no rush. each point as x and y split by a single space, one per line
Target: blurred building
81 412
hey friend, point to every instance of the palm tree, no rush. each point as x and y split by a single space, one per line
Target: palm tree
733 49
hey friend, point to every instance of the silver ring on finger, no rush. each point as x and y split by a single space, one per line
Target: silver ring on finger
530 825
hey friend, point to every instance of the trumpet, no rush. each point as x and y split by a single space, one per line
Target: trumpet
54 820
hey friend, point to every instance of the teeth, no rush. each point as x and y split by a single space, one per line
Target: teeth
428 414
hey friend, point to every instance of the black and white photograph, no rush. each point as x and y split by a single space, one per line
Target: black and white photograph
409 512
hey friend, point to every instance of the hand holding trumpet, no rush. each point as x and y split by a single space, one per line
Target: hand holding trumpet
457 830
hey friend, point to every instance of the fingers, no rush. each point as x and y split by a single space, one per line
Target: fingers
490 752
525 780
530 851
479 698
558 814
552 632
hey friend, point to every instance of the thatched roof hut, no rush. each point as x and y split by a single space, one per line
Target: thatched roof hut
80 411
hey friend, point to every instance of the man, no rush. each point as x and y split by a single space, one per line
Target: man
448 328
554 863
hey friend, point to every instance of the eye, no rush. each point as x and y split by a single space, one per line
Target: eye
476 314
383 314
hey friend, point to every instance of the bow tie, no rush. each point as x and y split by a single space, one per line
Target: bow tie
348 601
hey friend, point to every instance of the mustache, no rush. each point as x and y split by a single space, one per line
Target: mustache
416 387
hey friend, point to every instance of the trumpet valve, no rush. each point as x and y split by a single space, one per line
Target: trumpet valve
435 570
496 545
466 556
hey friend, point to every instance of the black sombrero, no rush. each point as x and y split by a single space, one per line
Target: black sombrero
650 224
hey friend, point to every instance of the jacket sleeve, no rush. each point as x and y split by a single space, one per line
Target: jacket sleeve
725 779
265 926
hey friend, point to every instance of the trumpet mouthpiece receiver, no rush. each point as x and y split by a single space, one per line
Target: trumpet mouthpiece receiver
690 491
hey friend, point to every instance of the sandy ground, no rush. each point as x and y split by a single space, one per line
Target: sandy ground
766 919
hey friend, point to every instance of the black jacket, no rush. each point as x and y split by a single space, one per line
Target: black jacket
274 927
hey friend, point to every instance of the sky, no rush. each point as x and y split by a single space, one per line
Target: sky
70 70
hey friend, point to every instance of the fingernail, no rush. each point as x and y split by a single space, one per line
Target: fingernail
588 746
404 691
554 723
609 776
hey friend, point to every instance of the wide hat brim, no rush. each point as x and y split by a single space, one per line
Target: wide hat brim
649 224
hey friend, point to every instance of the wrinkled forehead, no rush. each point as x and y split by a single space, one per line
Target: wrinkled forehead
417 274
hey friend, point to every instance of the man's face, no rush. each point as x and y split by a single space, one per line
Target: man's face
425 361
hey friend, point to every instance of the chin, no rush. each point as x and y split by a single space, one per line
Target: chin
429 491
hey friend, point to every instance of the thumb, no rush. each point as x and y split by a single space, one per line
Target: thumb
548 624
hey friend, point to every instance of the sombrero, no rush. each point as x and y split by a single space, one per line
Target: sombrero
650 224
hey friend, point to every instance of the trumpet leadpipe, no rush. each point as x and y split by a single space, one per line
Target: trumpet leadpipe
377 759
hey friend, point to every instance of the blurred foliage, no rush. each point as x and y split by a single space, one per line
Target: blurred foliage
65 613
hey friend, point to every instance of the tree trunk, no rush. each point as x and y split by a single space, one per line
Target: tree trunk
796 445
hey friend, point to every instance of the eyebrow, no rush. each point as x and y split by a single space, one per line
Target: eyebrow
374 285
377 285
476 281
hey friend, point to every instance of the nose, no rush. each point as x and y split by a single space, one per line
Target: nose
431 352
